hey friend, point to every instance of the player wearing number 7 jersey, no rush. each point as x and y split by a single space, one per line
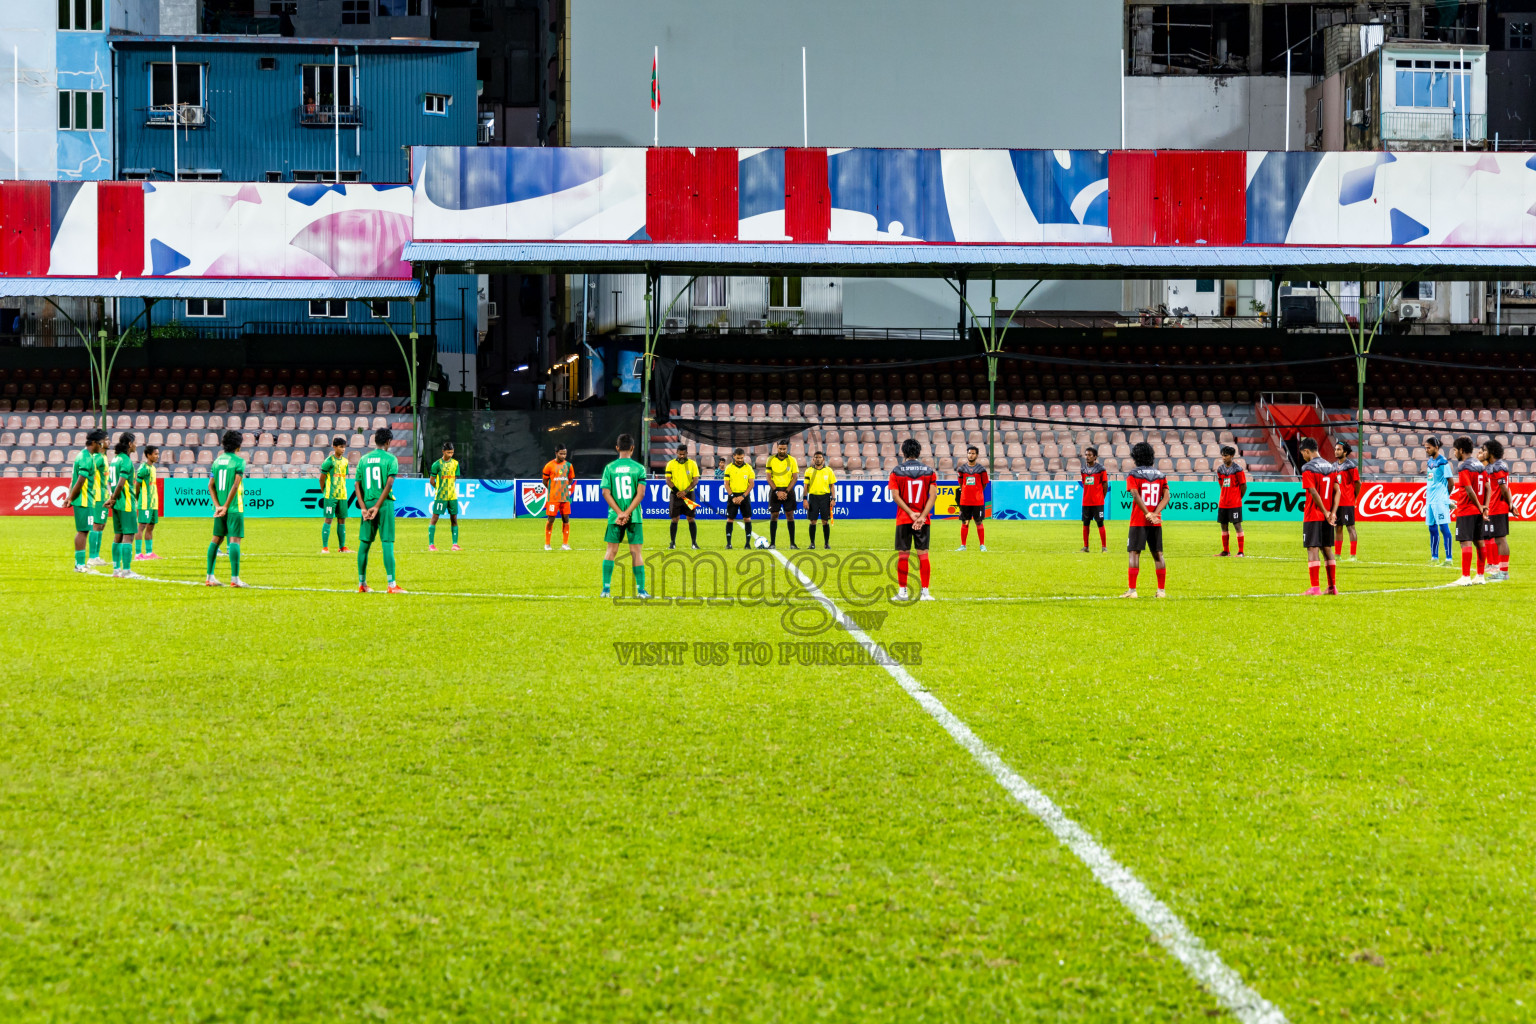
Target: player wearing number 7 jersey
912 484
1471 498
624 490
1322 494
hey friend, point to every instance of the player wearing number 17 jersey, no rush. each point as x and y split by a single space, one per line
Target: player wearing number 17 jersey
1322 494
913 485
1149 491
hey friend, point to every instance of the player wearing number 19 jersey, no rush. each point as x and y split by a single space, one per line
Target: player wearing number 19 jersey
1322 497
913 485
375 489
1148 487
1471 510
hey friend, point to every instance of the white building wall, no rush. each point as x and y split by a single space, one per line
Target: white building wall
28 83
1211 112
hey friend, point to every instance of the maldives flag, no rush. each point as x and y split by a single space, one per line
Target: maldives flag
655 85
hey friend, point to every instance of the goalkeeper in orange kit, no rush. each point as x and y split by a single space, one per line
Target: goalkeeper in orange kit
559 484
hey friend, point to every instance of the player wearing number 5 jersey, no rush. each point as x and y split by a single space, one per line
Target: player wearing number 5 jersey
1148 487
1321 488
624 490
1471 498
375 489
912 484
226 485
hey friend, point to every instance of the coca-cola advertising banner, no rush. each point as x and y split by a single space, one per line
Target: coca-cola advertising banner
1404 502
41 496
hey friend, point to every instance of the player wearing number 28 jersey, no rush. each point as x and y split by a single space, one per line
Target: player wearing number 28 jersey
1321 488
913 487
1148 487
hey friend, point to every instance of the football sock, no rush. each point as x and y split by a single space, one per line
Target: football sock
674 531
730 525
389 562
234 559
341 533
773 531
693 531
922 568
1085 534
1482 560
1312 572
981 535
607 573
1103 537
965 529
95 543
1434 543
1445 540
213 554
565 531
1466 561
1130 574
549 529
1332 569
325 535
117 556
138 545
125 553
1338 546
1226 542
149 545
1239 542
432 532
901 569
80 557
1162 579
639 571
1354 545
826 534
362 560
791 524
748 527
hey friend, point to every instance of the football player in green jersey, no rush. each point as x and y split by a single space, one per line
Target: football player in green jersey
376 474
125 520
445 496
87 480
226 485
624 490
147 500
334 496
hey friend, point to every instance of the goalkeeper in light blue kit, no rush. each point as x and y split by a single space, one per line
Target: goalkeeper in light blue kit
1438 472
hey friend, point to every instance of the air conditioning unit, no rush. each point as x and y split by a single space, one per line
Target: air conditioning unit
1357 119
676 323
1314 140
1524 329
756 325
491 313
190 115
1410 311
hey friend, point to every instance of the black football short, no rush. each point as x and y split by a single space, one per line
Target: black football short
1316 535
908 538
819 506
743 510
971 513
1093 514
1471 529
1229 517
1346 515
1498 526
785 504
1143 537
677 507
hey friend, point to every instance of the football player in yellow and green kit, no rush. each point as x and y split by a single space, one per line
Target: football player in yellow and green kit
86 493
375 485
146 498
445 496
226 485
125 520
334 496
624 490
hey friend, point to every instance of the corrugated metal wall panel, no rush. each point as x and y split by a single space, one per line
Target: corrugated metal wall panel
691 195
1201 198
120 228
1132 203
807 201
25 213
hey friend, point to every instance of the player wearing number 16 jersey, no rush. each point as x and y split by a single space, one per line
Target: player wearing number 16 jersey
1322 494
1148 487
1471 509
623 491
913 485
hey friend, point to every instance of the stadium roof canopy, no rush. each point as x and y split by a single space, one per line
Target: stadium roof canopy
205 288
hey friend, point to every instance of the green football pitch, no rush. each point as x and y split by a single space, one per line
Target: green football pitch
501 797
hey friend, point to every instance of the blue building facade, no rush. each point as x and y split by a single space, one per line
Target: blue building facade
271 108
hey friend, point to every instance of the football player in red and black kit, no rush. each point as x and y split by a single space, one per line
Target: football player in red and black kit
972 499
1347 473
1148 487
1317 521
913 485
1233 484
1095 479
1470 511
1499 497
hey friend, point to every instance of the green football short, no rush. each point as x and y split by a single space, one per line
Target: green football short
125 521
230 524
381 527
334 508
446 508
148 516
616 534
85 517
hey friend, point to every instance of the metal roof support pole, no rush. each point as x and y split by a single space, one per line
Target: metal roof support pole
653 320
992 343
101 361
1360 344
410 383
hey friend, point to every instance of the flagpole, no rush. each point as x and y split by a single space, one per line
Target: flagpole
805 105
655 95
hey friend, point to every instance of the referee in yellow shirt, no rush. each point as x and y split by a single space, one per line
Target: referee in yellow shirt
819 484
682 478
783 472
739 478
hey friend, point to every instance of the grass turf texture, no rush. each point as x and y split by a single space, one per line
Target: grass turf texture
309 805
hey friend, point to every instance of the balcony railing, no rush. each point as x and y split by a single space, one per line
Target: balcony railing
1432 126
185 115
347 115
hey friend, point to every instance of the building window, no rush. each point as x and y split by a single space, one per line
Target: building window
334 309
378 309
187 92
784 293
1205 285
205 307
436 103
80 15
279 8
355 12
1435 84
82 111
325 93
327 176
274 175
709 293
201 175
1517 34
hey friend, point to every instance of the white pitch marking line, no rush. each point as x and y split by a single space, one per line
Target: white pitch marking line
1185 597
1204 964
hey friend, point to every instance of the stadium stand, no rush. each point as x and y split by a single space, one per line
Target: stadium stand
288 417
